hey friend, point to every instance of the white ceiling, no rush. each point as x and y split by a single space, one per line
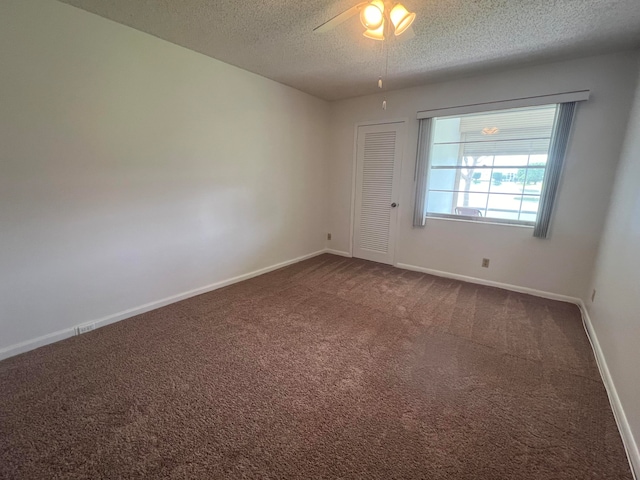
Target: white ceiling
274 38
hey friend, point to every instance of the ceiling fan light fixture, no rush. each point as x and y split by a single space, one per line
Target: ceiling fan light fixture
401 18
377 34
372 16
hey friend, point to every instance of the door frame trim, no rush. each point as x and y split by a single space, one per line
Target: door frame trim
354 172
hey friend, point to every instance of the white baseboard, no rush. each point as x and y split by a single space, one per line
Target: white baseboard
31 344
34 343
338 252
491 283
628 440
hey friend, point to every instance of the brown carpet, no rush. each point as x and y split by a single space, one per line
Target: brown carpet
330 368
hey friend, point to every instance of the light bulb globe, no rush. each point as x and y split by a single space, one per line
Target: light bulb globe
371 17
401 18
377 34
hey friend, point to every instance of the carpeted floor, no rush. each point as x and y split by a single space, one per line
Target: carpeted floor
330 368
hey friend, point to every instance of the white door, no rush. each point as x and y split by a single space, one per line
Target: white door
378 159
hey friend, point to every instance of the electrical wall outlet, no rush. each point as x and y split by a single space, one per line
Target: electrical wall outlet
80 329
593 295
328 236
485 262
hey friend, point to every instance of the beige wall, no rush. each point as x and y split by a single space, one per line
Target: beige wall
561 264
132 169
615 312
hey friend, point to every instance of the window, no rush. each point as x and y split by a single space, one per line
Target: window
490 166
497 166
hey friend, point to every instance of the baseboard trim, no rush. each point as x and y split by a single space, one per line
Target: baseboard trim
53 337
338 252
34 343
629 442
491 283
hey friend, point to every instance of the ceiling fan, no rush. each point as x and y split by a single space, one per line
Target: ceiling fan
377 17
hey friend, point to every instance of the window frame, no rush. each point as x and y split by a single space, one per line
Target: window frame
568 104
483 219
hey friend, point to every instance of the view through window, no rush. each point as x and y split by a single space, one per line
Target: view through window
490 166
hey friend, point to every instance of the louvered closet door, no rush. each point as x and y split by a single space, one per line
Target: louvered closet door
378 159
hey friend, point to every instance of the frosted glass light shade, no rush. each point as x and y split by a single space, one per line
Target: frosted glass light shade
372 16
401 18
377 34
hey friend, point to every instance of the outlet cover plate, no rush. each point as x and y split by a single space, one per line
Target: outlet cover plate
80 329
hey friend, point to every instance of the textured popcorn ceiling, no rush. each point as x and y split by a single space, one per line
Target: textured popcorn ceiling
274 38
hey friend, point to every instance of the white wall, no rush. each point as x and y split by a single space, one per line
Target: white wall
132 169
561 264
615 312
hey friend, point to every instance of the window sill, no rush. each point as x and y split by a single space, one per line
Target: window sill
459 218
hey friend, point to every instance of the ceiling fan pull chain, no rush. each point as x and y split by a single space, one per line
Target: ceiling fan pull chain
385 44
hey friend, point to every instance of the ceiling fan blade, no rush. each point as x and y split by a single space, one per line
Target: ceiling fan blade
338 19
